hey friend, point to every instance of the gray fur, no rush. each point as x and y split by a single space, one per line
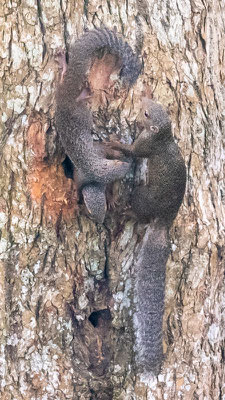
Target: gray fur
156 204
74 120
149 288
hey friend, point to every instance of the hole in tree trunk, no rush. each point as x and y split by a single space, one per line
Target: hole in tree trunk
68 168
96 316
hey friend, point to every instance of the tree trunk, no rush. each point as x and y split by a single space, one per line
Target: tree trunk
66 282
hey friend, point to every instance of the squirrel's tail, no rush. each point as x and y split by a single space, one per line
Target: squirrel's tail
85 48
149 287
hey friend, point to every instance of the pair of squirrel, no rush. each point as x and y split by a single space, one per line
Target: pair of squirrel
155 204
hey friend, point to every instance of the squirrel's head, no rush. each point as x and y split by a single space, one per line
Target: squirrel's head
153 117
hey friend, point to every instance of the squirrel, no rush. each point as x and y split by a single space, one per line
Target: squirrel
74 120
156 204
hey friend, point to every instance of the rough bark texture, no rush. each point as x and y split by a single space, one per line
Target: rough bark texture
65 282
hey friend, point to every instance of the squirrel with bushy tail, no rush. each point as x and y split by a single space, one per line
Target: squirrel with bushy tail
155 204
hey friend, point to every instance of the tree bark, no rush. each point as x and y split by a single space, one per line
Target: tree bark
66 282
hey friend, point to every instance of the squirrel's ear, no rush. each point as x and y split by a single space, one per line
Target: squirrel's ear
154 129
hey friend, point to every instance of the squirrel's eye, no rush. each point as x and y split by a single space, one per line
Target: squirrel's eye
146 114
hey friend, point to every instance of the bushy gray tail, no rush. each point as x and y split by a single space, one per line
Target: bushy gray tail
84 49
149 289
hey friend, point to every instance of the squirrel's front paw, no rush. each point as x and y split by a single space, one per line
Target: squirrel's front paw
112 151
126 149
115 145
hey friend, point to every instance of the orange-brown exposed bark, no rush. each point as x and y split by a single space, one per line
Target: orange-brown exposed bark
47 182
